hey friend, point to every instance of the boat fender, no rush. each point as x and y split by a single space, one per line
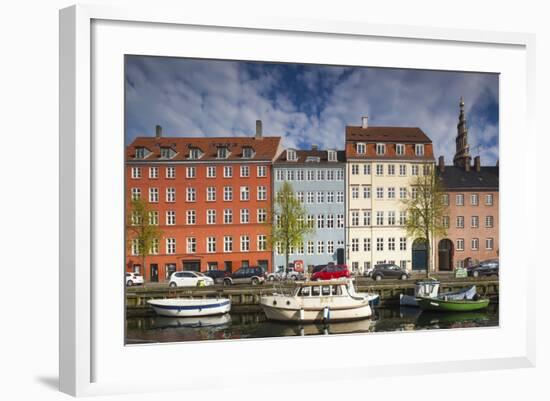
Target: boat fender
326 313
301 315
274 302
288 302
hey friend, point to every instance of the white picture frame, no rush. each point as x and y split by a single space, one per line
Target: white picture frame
84 350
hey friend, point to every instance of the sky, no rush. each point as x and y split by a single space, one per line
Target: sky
307 104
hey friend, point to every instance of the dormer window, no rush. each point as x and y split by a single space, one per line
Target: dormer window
140 152
194 153
165 152
313 159
380 149
291 155
419 149
331 155
361 148
223 152
248 152
400 149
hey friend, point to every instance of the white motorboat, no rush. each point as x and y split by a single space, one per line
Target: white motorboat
313 301
184 307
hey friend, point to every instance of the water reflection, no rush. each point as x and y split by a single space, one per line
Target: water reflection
255 325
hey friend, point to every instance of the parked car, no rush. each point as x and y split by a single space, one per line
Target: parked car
485 268
217 275
189 279
330 272
133 279
289 274
389 270
246 275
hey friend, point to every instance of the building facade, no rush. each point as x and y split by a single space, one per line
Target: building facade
381 164
472 198
210 198
317 178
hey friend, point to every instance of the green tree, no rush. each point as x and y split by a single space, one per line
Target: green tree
289 226
140 229
425 208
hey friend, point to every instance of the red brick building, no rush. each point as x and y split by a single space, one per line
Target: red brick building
210 198
472 219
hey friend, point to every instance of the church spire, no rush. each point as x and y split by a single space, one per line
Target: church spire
462 156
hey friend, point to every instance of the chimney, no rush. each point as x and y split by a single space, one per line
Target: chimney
477 163
364 122
466 165
441 164
314 147
258 129
158 131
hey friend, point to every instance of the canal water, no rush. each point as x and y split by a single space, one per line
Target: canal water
254 325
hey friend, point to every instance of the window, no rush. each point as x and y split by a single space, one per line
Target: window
320 247
414 192
459 199
366 192
330 221
191 172
227 194
379 193
366 244
154 218
245 194
211 194
379 218
361 148
445 199
331 155
320 175
300 249
191 195
391 193
489 243
391 244
330 247
310 197
354 169
402 193
402 169
155 245
400 149
210 216
170 246
211 244
321 221
291 155
191 217
261 242
340 197
245 171
262 193
366 169
379 244
136 219
245 216
300 175
460 244
191 245
340 174
391 218
340 221
419 149
261 171
227 216
247 152
310 248
153 195
170 218
460 222
489 199
391 169
403 243
414 169
489 221
475 221
311 221
153 172
300 197
135 247
475 244
211 172
355 244
320 197
227 171
245 243
445 221
379 169
330 197
474 199
380 149
228 244
355 192
223 152
311 175
366 217
261 215
170 195
402 218
140 152
354 218
136 172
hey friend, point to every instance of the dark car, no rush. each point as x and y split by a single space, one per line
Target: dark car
330 272
246 275
389 270
216 275
484 268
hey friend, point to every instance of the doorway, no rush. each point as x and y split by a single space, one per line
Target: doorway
154 273
419 254
445 254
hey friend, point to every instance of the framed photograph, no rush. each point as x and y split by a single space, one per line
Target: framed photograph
264 188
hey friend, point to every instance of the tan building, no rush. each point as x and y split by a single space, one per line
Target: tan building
472 219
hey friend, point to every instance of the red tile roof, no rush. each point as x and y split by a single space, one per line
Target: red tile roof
386 134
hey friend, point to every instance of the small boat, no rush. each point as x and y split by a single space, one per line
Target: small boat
465 293
184 307
422 288
452 305
317 301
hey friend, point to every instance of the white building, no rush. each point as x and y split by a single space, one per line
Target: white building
381 163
